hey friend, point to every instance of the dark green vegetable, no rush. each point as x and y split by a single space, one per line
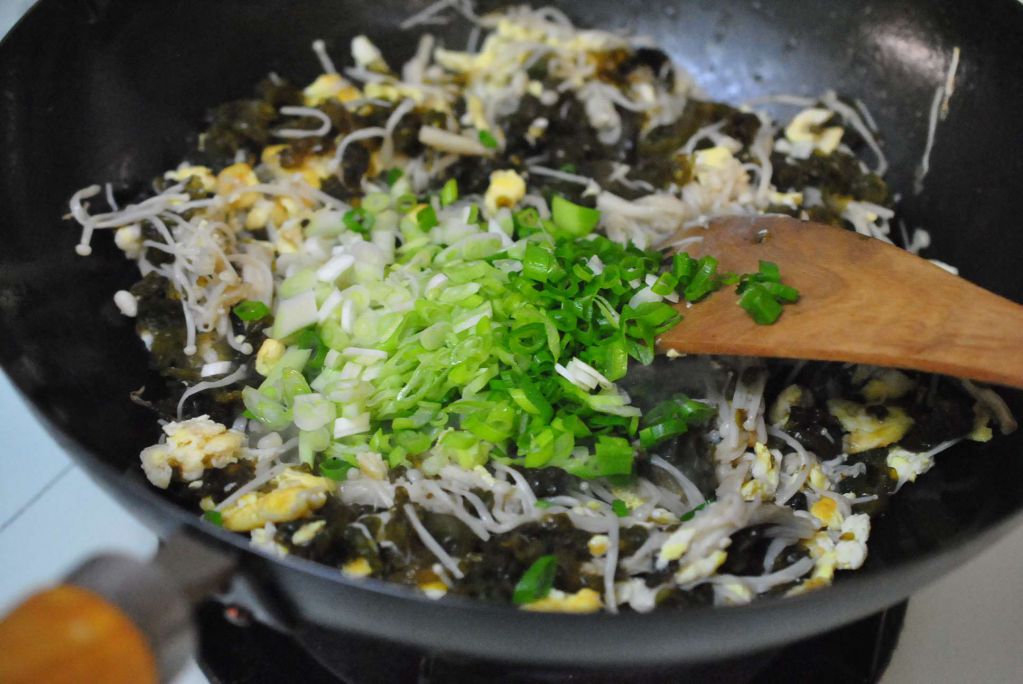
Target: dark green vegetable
620 508
537 581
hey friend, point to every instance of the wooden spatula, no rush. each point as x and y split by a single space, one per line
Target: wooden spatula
862 300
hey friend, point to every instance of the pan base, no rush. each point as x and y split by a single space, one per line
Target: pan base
235 649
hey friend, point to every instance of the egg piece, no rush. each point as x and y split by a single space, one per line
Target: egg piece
715 157
265 539
851 548
506 189
583 601
191 446
295 494
792 200
676 545
700 568
327 87
185 172
305 534
358 567
434 589
732 594
232 180
807 127
906 466
270 352
764 475
598 545
885 384
782 406
826 511
864 429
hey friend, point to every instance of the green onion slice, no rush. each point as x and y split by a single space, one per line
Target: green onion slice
536 581
251 310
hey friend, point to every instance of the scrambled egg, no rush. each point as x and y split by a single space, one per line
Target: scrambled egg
329 86
676 545
506 189
792 200
434 589
184 172
270 352
700 568
191 447
826 511
906 466
307 532
237 177
764 475
295 494
598 545
582 601
357 568
732 594
885 384
866 431
807 127
844 548
265 539
787 398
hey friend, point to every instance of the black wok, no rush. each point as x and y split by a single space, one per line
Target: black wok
108 90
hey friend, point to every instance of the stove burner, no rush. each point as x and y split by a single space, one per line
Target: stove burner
235 650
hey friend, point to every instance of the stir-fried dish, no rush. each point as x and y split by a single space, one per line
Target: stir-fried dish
407 321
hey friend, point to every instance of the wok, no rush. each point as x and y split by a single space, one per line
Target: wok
109 90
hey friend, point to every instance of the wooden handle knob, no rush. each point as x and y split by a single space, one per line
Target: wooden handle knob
69 634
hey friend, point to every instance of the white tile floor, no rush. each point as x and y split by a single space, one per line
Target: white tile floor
964 628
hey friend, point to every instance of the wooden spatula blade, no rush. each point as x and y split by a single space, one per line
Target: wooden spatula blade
861 300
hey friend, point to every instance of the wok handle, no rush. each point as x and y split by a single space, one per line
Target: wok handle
116 619
70 634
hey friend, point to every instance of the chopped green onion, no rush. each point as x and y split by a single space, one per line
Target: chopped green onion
426 218
573 219
251 310
620 508
449 193
538 263
358 220
760 304
536 581
487 140
392 176
215 517
334 468
704 280
405 203
376 202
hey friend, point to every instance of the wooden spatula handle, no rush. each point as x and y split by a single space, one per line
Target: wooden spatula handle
69 634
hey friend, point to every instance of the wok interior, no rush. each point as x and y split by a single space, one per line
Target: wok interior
121 85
